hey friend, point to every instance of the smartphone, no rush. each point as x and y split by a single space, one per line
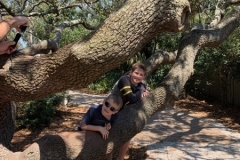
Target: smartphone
16 39
18 35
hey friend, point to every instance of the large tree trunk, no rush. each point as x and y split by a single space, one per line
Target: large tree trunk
78 64
7 123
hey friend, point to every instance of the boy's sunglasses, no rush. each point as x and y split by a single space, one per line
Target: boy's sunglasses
107 104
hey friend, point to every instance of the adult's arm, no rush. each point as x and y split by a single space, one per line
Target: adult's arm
7 24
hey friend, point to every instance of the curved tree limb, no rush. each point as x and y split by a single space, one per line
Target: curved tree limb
43 47
219 11
160 57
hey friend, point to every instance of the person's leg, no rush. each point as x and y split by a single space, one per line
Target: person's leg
109 156
123 151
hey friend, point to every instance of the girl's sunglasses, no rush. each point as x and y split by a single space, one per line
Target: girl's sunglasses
107 104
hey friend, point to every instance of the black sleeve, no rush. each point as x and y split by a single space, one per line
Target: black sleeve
87 118
142 87
124 86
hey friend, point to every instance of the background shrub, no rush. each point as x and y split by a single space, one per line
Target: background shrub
38 114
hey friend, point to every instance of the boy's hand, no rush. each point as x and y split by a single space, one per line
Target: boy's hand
108 126
104 132
145 93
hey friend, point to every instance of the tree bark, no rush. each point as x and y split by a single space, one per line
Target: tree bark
7 123
120 37
78 64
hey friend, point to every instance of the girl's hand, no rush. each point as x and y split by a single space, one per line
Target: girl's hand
104 132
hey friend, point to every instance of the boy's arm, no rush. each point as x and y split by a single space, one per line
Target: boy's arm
100 129
125 88
86 124
143 88
89 127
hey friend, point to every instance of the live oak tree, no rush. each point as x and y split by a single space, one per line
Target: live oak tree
116 40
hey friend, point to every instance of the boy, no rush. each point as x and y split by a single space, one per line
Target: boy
132 89
131 86
99 118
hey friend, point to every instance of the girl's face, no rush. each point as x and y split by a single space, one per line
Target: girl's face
137 76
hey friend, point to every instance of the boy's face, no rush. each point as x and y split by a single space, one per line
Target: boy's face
137 76
109 107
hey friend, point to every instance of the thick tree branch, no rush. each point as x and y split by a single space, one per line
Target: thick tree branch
159 58
192 43
44 47
119 38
